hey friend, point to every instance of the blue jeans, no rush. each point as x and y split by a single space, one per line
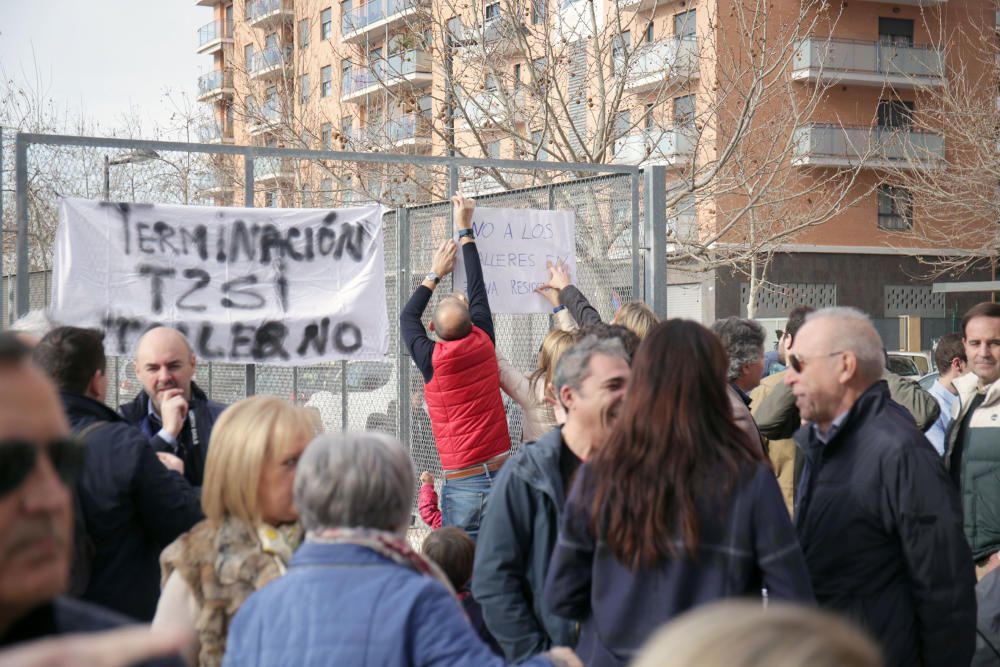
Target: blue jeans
463 502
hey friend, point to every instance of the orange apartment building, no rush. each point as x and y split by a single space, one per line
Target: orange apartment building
647 82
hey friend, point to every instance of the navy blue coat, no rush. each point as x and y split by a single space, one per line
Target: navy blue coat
749 545
64 616
203 414
133 508
881 528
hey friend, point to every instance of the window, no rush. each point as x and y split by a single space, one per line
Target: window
517 76
304 88
491 83
326 81
270 200
649 32
345 75
326 192
895 113
537 11
619 52
271 42
897 32
307 200
684 24
326 23
347 17
425 105
622 124
326 136
491 10
303 33
895 208
248 56
684 111
493 150
647 118
538 143
347 125
230 116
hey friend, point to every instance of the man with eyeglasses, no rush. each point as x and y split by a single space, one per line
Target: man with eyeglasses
131 504
39 464
972 447
878 519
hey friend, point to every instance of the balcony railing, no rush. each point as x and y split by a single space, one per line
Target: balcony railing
213 133
370 13
491 107
263 11
871 63
671 146
873 146
214 32
273 58
216 82
271 168
386 72
656 62
497 34
408 128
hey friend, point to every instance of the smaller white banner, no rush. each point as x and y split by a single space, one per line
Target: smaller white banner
515 245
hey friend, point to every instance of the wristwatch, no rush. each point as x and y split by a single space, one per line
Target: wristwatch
433 277
462 233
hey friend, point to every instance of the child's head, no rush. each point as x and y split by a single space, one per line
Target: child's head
453 551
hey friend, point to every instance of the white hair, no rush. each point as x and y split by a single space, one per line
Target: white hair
36 323
856 333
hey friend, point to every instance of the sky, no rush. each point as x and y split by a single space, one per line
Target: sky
99 58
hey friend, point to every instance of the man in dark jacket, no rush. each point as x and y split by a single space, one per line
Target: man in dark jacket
877 516
171 410
521 523
39 464
132 505
461 378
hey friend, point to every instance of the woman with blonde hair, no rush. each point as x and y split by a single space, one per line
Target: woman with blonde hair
251 527
745 634
533 391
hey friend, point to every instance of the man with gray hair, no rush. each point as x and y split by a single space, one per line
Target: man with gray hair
743 340
878 518
355 592
519 529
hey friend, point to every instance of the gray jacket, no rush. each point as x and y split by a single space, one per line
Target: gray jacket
515 542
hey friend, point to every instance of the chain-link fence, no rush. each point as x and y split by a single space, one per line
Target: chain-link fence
385 394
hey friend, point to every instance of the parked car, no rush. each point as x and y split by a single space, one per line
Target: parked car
927 380
911 365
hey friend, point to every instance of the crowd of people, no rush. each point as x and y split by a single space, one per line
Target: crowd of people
670 505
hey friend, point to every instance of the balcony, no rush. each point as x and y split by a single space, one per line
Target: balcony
266 14
377 15
868 64
272 170
658 63
212 36
641 5
412 130
673 147
490 107
873 147
212 185
266 119
408 68
271 62
496 36
214 133
215 84
207 3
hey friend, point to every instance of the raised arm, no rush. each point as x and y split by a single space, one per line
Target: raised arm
569 296
421 347
479 304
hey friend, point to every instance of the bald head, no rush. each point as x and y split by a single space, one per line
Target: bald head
163 361
451 319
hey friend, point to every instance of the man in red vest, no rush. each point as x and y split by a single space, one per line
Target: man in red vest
461 378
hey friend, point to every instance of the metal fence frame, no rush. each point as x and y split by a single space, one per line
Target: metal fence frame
646 210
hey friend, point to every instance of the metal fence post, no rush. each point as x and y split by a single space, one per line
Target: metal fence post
637 267
21 199
248 176
402 354
656 238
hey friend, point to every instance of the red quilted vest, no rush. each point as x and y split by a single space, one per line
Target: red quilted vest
464 403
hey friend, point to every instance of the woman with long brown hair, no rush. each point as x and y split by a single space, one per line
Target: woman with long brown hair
676 510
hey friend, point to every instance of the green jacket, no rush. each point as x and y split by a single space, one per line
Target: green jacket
980 472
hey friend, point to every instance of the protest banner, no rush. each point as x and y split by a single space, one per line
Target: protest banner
245 285
514 246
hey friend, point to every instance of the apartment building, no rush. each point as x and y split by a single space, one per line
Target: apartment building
833 93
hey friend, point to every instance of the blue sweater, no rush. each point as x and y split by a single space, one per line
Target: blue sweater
344 604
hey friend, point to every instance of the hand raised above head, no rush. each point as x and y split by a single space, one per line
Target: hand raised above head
444 258
558 276
463 207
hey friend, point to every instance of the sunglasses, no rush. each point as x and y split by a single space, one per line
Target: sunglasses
19 457
798 363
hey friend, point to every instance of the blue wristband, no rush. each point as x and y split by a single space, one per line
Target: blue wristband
558 308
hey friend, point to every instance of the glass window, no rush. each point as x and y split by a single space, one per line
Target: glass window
326 136
270 200
345 75
895 113
347 125
649 32
304 88
347 18
897 32
517 76
647 118
271 41
895 208
326 23
491 10
619 50
537 11
248 56
538 142
326 192
326 81
684 111
684 24
493 150
303 33
307 199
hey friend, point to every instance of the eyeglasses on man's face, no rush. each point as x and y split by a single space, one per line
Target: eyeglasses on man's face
798 362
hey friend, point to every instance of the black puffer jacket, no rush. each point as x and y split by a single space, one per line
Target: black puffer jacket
133 508
881 528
